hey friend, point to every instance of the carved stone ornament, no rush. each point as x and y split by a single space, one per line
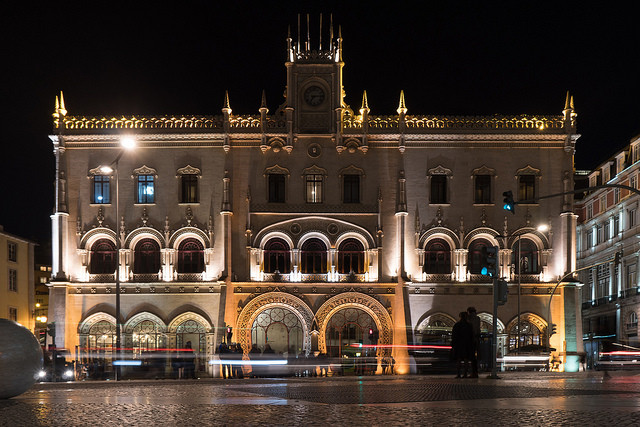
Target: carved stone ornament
144 170
188 170
314 150
440 170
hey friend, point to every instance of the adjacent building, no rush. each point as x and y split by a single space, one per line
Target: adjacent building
16 279
307 225
608 225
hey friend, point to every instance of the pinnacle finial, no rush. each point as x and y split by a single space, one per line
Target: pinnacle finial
571 103
263 101
227 105
63 110
568 101
402 108
365 103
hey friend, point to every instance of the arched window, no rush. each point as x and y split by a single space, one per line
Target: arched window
103 257
351 257
348 327
527 252
437 257
530 335
474 262
277 256
190 256
280 328
146 257
313 257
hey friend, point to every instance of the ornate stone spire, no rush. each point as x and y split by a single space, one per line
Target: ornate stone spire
402 108
226 108
365 104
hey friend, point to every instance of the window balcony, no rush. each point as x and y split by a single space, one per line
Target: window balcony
102 278
189 277
145 277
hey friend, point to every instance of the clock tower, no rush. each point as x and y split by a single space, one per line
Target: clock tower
314 81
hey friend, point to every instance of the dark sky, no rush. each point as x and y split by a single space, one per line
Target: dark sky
449 57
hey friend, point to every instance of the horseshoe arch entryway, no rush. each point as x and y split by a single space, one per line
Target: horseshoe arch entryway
272 300
365 303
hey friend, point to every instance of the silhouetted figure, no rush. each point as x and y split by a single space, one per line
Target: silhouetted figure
189 362
474 321
462 343
224 353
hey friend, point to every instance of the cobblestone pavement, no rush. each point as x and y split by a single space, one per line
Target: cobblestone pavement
515 399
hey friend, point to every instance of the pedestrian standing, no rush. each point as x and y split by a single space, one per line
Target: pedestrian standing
474 321
462 343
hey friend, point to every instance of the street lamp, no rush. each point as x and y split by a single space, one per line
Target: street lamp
127 143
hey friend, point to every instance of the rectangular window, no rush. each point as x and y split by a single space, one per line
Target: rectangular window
12 251
101 189
13 314
616 195
598 234
438 189
590 211
616 226
631 276
314 188
632 218
13 280
607 230
603 280
189 188
603 203
146 189
276 188
482 189
351 189
527 188
633 181
589 238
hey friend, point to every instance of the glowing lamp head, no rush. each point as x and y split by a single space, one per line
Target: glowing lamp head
106 169
128 142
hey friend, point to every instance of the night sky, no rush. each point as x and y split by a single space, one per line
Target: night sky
458 58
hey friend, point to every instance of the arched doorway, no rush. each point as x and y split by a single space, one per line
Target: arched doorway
270 300
280 329
366 303
348 328
532 329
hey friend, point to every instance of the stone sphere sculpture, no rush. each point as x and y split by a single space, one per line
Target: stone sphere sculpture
20 359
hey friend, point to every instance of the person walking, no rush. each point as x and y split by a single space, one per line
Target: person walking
474 321
462 344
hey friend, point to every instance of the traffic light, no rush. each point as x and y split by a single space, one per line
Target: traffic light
229 334
489 262
51 329
42 336
502 290
509 204
370 335
553 329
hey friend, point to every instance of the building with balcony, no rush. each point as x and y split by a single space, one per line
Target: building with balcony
608 224
306 225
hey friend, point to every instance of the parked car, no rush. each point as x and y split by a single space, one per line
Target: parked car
63 370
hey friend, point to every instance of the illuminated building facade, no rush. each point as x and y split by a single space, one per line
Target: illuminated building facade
308 226
16 279
608 224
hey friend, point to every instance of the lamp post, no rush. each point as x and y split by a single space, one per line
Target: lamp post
127 143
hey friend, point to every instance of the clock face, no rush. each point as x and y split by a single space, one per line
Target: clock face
314 96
